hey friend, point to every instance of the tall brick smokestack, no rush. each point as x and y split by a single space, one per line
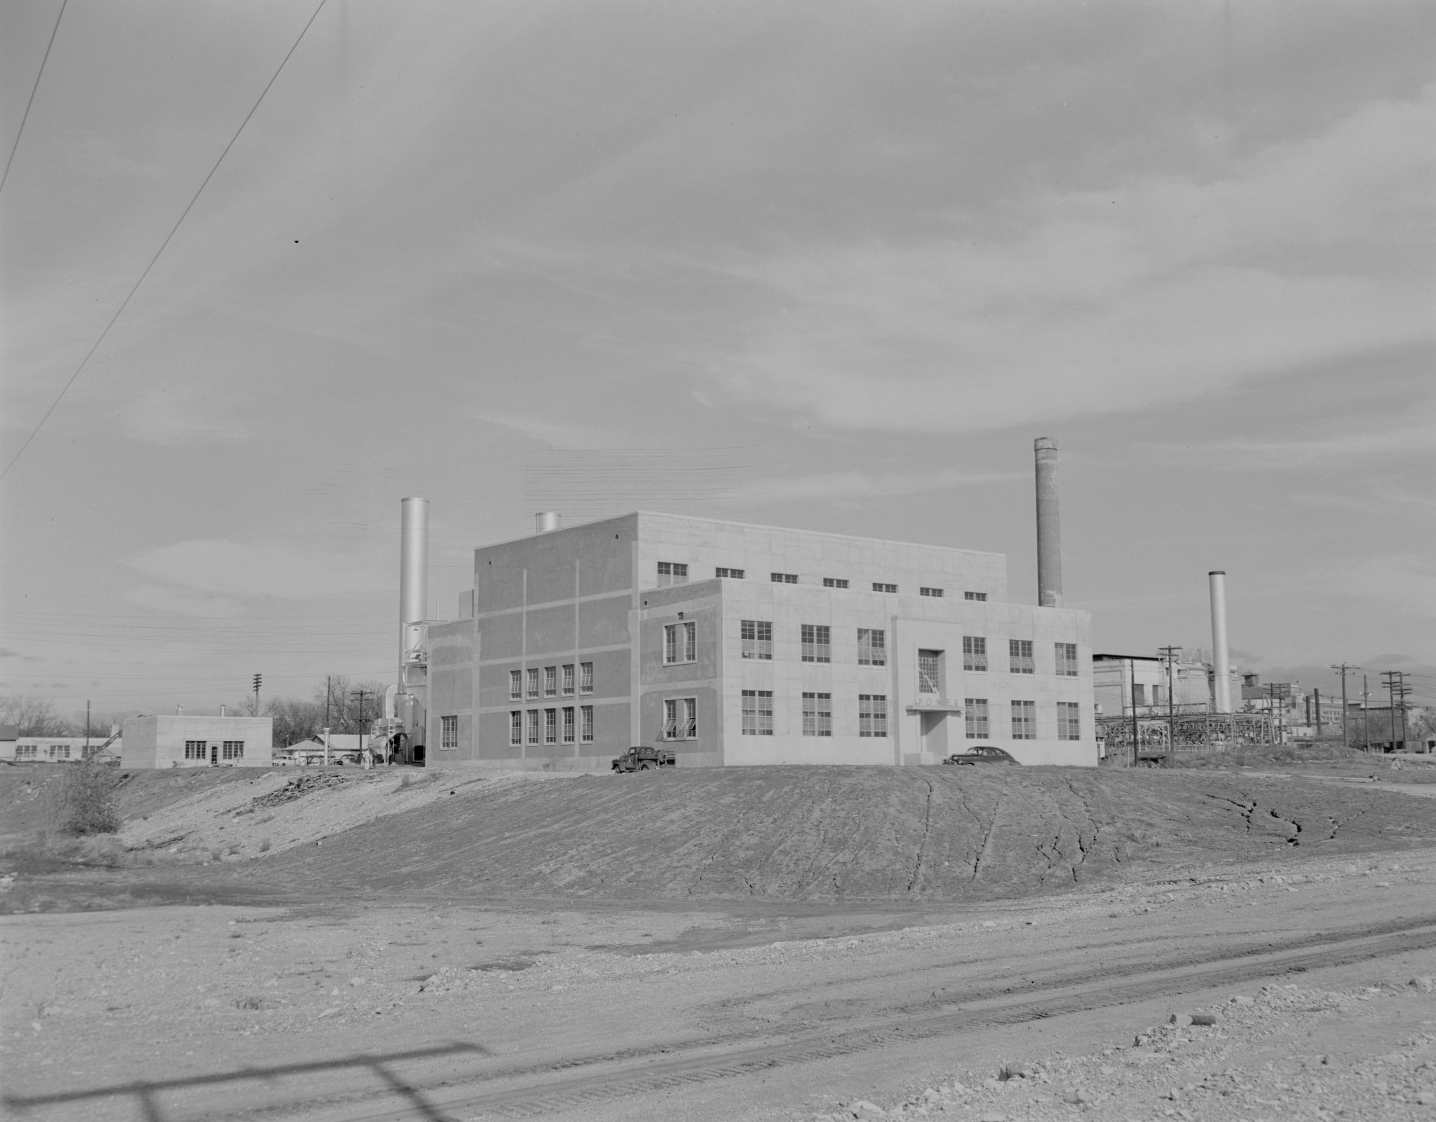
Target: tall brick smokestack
1049 528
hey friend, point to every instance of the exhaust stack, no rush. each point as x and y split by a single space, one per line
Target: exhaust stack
1221 659
546 521
413 577
1049 530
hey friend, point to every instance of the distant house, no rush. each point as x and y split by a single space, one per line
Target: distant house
344 748
197 741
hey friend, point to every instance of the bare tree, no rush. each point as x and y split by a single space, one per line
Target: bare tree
33 716
339 697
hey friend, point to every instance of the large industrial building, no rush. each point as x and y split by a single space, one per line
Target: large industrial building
739 645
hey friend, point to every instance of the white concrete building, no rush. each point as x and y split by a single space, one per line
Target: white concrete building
197 741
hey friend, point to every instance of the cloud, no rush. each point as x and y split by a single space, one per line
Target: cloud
236 569
1158 290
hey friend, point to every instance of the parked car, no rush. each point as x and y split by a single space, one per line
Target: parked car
981 754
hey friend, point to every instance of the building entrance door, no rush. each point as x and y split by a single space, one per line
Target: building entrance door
214 755
934 733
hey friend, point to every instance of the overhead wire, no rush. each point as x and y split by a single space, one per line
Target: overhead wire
10 159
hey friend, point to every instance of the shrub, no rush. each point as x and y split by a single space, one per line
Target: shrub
87 799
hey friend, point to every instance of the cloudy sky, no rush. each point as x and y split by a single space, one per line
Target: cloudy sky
817 264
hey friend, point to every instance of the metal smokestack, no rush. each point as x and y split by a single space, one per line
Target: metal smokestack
546 521
1049 529
1221 661
413 576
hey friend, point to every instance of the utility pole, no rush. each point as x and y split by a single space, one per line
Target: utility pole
1132 670
1316 704
326 711
1171 655
1342 669
1278 693
86 754
361 695
1365 715
1396 689
257 679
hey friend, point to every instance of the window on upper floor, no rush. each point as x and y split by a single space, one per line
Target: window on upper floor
974 652
531 681
730 574
756 636
785 578
550 681
817 643
585 677
974 596
448 732
929 672
680 718
872 647
1066 660
1019 653
516 683
680 642
934 592
672 572
568 679
881 586
835 582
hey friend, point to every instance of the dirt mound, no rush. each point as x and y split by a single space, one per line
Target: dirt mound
840 833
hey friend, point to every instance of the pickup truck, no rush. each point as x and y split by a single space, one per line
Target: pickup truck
641 758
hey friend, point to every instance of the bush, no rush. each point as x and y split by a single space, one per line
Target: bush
87 799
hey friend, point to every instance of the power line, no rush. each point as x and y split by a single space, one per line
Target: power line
175 229
26 115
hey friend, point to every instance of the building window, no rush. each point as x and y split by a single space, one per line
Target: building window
974 652
1019 653
1069 721
974 596
231 750
785 578
835 582
550 681
1139 693
757 638
757 712
929 672
680 718
585 677
872 714
26 751
1024 720
533 723
531 680
672 572
59 751
817 642
516 684
872 647
975 714
196 750
730 574
550 726
934 592
516 727
680 642
568 679
879 586
585 724
568 724
1066 660
448 732
817 714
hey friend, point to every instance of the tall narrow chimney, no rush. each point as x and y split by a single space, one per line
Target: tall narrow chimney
1221 661
1049 529
413 575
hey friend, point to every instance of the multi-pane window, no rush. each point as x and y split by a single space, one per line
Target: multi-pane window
585 677
974 596
29 751
817 642
59 751
835 582
230 750
448 732
731 574
550 681
1069 720
757 712
974 652
568 724
757 638
568 679
975 714
585 724
196 749
516 727
531 681
872 714
680 642
516 683
672 572
929 672
935 592
1066 660
1019 653
550 726
817 714
872 647
533 726
785 578
680 718
880 586
1024 720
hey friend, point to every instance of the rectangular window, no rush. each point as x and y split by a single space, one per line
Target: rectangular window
568 679
231 750
550 726
196 749
533 723
568 724
929 672
757 712
1069 720
585 677
872 647
585 724
817 714
59 751
1066 660
1019 653
835 582
672 572
757 638
28 751
516 727
974 596
817 642
879 586
872 714
531 681
1024 720
550 681
974 652
975 714
1139 693
730 574
516 684
680 718
448 732
934 592
785 578
680 642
